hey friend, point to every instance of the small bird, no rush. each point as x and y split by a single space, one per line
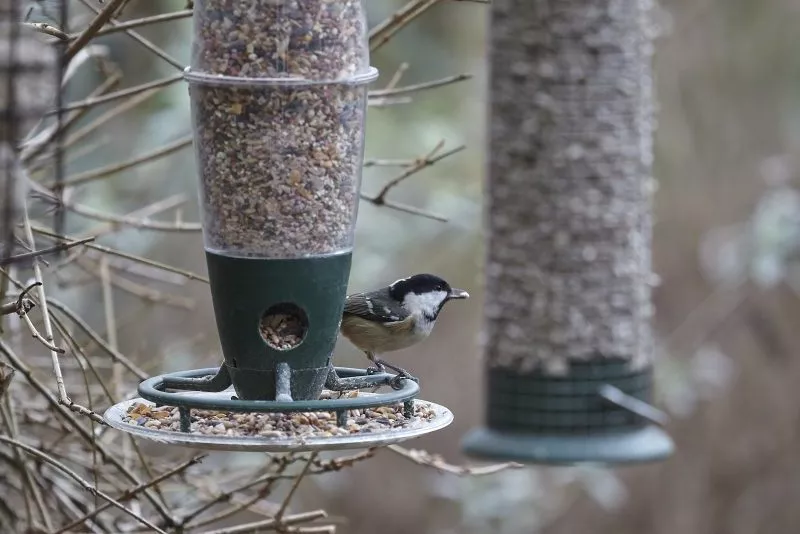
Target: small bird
395 317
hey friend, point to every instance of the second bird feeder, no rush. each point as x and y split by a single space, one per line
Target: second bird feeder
569 350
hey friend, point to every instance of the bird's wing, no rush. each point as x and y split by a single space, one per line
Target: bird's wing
374 306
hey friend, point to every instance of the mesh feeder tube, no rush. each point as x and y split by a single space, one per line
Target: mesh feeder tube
278 93
567 337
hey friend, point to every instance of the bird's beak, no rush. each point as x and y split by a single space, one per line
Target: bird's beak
457 294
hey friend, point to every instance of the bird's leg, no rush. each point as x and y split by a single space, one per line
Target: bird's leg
379 368
399 370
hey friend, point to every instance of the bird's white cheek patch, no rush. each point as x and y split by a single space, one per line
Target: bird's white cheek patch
424 304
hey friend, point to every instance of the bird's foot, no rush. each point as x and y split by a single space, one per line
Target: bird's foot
377 369
401 373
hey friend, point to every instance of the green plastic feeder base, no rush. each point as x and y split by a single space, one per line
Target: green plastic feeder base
598 412
647 444
248 291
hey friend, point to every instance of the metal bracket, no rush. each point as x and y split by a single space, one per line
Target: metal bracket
619 398
337 383
209 383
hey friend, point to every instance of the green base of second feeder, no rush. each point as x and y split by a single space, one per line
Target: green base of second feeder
565 420
646 444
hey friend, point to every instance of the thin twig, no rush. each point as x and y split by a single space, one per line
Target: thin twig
430 159
83 483
37 336
138 38
383 102
141 224
26 484
271 524
47 29
322 529
118 95
13 430
145 21
35 149
57 248
394 91
398 74
295 485
115 355
129 494
14 306
437 462
236 508
138 290
112 113
109 170
74 426
280 463
383 32
132 257
6 376
388 163
103 16
159 206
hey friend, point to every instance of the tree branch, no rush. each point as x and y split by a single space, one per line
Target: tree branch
83 483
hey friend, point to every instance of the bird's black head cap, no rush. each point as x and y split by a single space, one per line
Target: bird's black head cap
419 284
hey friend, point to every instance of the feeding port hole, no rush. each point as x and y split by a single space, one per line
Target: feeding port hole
283 326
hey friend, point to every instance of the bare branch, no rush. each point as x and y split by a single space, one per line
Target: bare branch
57 248
322 529
6 376
131 493
118 95
145 21
37 336
132 257
47 29
138 290
113 113
279 462
103 16
142 224
383 32
395 91
110 170
115 355
71 422
271 524
437 462
83 483
405 208
295 485
430 159
35 146
422 163
135 36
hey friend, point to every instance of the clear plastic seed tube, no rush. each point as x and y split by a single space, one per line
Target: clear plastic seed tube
279 93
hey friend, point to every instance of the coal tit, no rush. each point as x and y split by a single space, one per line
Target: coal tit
396 317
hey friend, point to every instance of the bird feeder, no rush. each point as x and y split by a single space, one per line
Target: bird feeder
278 92
568 346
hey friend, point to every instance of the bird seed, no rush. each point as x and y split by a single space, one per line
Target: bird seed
280 167
278 425
280 162
312 39
282 331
